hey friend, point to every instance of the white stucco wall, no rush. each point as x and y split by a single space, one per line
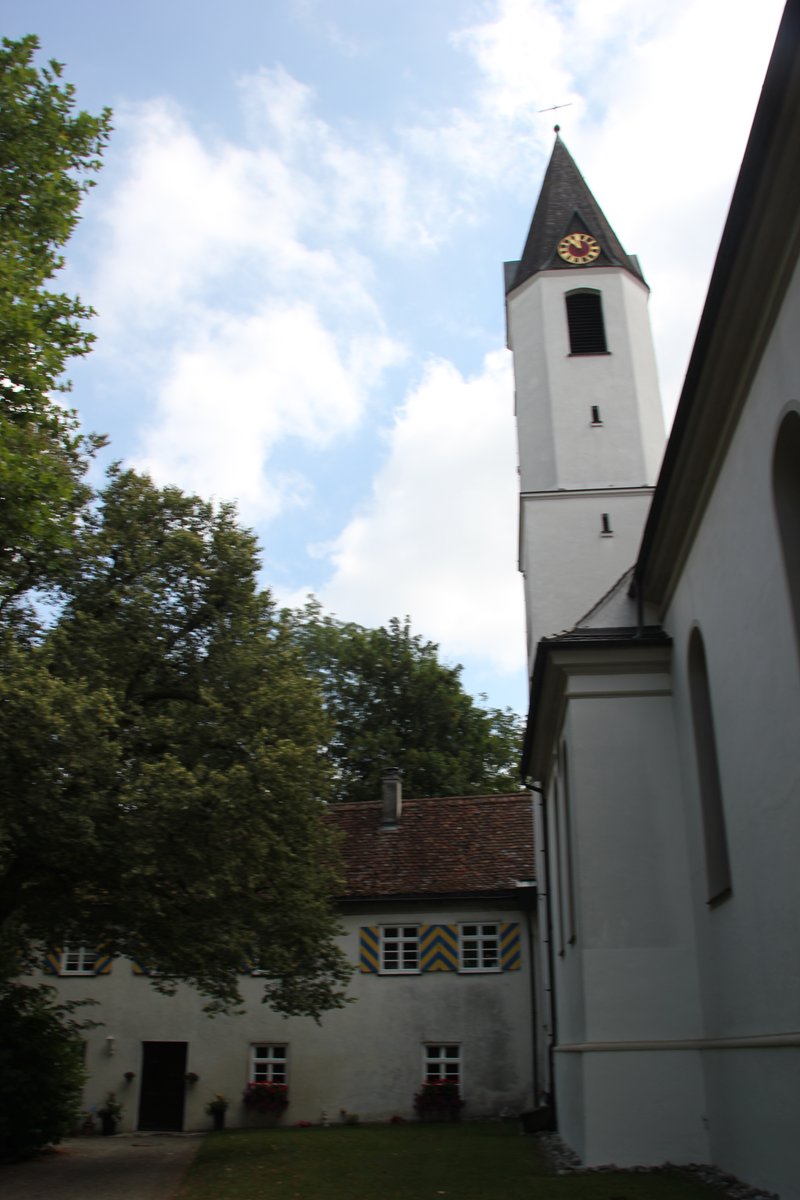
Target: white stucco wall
734 588
559 447
571 469
630 974
365 1058
567 561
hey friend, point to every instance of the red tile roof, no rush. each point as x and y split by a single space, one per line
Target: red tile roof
451 844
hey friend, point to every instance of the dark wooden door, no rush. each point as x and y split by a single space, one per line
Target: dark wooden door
163 1086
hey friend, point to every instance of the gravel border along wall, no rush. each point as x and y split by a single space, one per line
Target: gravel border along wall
564 1161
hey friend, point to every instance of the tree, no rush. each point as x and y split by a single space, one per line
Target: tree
393 703
161 759
48 153
41 1069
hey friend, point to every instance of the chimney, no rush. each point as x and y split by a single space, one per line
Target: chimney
392 794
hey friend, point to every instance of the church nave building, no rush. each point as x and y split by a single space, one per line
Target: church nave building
662 588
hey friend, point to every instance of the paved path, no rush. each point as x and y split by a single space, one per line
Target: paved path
125 1167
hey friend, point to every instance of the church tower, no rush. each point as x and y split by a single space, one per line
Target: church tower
589 421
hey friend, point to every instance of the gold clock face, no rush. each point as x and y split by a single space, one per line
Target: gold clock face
578 248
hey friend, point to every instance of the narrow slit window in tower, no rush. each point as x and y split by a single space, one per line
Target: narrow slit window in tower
587 334
596 418
606 530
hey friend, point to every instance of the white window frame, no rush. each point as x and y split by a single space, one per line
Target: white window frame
269 1061
401 939
479 937
83 954
442 1059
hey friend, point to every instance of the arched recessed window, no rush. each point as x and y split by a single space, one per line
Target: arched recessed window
718 870
587 334
786 490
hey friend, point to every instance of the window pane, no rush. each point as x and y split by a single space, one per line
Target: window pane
490 931
409 931
390 933
433 1051
470 930
279 1052
451 1051
262 1051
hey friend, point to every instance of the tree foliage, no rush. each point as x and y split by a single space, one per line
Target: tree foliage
48 154
161 755
41 1069
394 703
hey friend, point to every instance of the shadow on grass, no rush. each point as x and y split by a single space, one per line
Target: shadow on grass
473 1161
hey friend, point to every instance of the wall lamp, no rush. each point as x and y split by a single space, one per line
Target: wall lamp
110 1046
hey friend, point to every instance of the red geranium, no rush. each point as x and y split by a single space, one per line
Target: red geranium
266 1097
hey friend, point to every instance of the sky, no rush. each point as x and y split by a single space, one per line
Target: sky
295 253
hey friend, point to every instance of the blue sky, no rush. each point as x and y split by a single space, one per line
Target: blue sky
295 252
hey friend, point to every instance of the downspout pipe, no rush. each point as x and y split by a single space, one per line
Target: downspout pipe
535 1022
550 963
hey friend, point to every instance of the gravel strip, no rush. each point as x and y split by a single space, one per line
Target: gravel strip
564 1161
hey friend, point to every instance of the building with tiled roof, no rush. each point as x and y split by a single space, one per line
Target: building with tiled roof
438 914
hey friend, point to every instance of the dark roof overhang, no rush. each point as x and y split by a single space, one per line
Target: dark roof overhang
583 651
514 895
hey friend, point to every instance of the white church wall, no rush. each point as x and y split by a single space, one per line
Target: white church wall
734 588
633 965
645 1107
366 1058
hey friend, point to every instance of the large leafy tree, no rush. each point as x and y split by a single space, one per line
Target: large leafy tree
394 702
161 746
161 755
48 155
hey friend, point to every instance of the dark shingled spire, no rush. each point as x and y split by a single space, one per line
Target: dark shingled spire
565 206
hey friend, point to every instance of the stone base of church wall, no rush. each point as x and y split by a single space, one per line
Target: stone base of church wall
633 1107
569 1101
754 1116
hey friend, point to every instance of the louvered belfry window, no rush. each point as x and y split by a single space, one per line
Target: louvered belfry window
587 333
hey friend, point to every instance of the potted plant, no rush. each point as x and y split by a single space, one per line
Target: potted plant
270 1099
439 1101
110 1114
217 1108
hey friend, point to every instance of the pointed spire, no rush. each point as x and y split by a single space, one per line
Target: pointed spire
566 205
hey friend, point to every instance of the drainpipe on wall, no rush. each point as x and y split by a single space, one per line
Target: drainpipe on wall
551 965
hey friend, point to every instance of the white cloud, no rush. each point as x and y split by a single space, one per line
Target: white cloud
244 384
438 536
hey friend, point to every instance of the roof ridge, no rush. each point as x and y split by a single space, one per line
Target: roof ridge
432 799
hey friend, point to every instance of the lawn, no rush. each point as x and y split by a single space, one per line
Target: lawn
471 1161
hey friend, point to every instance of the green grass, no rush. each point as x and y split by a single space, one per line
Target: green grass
471 1161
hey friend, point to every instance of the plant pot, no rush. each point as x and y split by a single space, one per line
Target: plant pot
88 1128
109 1126
435 1116
219 1121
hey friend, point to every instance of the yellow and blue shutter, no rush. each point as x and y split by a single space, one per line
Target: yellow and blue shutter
438 948
509 946
369 948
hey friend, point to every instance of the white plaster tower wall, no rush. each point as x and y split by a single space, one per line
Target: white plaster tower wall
590 425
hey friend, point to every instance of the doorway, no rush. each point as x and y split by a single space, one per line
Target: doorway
163 1089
